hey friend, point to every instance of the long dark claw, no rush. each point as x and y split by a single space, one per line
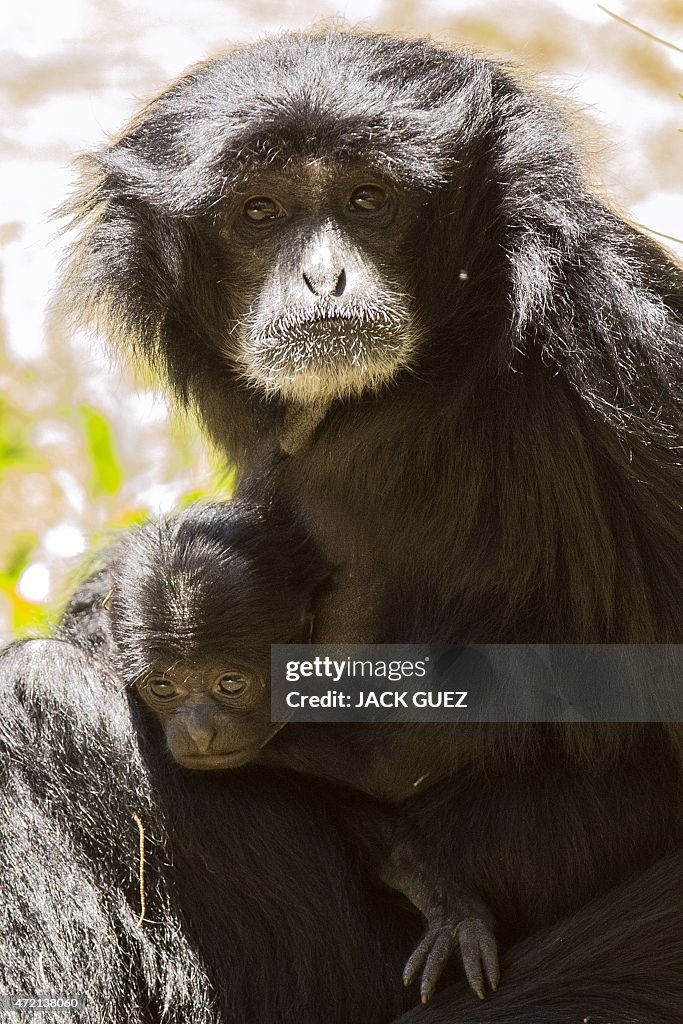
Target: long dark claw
473 972
491 965
417 960
479 953
436 961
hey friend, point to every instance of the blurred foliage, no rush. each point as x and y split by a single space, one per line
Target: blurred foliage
100 445
15 447
24 614
61 462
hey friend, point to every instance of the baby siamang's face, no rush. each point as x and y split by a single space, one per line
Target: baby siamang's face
213 717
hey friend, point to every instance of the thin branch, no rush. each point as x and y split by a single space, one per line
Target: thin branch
643 32
143 901
660 234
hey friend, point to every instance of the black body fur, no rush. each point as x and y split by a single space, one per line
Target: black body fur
520 481
235 896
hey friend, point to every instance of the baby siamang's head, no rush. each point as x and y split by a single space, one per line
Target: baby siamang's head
197 601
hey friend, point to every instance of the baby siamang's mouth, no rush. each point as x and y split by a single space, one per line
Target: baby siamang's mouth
214 762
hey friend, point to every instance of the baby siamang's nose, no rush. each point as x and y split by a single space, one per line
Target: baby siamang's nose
200 732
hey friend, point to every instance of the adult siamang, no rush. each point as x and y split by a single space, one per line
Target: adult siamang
374 269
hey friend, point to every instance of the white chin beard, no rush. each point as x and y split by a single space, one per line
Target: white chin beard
311 388
312 383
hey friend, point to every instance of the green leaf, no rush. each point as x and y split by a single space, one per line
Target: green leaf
15 448
23 545
106 470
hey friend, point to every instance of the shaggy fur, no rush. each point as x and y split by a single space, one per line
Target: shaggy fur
239 881
519 480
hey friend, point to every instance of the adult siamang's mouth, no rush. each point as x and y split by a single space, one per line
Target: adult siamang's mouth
328 355
285 328
357 327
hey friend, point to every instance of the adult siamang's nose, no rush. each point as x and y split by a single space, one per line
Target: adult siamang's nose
322 266
325 282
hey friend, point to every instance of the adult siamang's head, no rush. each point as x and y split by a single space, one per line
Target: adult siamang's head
305 209
317 215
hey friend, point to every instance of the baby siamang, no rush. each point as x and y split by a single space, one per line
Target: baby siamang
194 604
374 268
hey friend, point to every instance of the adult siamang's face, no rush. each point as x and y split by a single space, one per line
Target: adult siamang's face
318 283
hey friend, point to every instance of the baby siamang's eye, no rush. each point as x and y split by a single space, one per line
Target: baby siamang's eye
161 688
262 208
368 199
233 684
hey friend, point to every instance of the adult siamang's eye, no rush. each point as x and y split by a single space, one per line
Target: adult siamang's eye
368 199
262 208
162 689
233 684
